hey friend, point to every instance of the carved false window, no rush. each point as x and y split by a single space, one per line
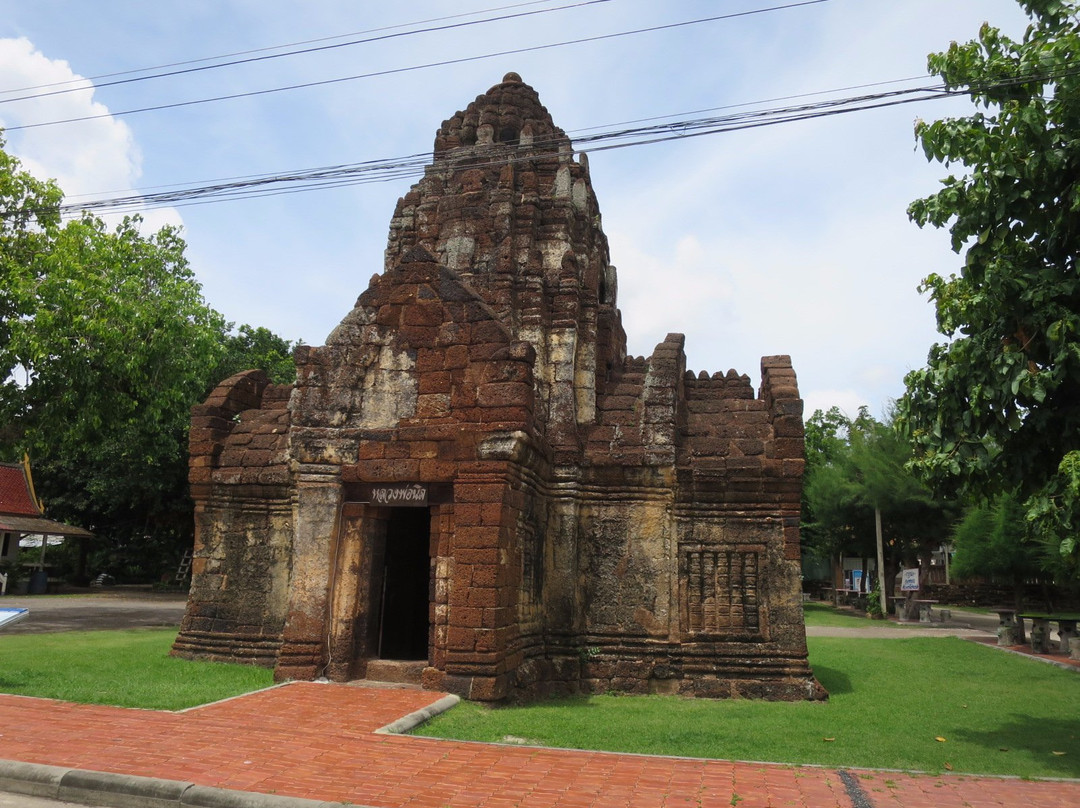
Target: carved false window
720 596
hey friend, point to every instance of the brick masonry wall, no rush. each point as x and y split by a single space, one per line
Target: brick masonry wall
243 523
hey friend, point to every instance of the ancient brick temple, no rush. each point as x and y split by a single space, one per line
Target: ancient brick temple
473 477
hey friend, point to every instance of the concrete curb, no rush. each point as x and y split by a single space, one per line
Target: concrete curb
415 719
129 791
119 791
33 779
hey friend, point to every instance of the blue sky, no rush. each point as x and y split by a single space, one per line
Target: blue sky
787 239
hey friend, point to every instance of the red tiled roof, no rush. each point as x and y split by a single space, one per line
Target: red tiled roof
14 492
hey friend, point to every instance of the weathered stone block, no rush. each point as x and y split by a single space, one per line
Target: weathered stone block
461 638
504 394
478 492
434 382
404 470
430 360
483 597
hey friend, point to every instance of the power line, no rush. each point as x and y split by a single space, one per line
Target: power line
272 47
575 135
443 63
764 101
315 49
391 169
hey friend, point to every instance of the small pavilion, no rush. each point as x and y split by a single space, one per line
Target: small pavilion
22 515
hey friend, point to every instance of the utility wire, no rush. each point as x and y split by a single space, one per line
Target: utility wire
270 48
443 63
758 103
315 49
392 169
576 135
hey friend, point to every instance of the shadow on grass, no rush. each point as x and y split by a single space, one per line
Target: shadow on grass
551 701
832 680
1036 738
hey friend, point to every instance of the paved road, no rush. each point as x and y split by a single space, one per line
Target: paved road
962 624
113 610
124 609
894 631
984 622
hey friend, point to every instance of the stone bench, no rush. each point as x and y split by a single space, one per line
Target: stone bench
926 609
1040 630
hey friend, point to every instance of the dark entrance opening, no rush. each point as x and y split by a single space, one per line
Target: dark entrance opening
403 629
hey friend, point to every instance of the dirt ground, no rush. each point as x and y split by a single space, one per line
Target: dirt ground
111 609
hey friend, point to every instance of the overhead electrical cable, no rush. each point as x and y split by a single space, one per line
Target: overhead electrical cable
412 165
315 49
442 63
272 47
757 103
575 134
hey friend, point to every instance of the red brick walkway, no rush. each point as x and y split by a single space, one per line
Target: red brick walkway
316 741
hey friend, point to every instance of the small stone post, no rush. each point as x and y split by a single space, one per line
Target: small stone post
1006 632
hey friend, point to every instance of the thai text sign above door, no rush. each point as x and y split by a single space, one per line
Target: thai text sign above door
407 495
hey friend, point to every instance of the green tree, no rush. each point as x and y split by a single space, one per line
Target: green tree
856 474
29 210
107 343
835 518
997 409
249 347
993 541
114 344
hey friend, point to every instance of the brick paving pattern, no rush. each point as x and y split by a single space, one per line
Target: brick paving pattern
317 741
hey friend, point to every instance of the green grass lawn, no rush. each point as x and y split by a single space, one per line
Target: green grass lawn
121 668
890 702
824 614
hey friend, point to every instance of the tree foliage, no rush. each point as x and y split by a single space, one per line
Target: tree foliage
29 212
993 541
105 345
997 409
250 347
835 512
113 344
856 466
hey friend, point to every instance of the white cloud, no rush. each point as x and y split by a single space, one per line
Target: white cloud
838 294
90 157
653 290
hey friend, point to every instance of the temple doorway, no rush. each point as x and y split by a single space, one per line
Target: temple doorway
406 585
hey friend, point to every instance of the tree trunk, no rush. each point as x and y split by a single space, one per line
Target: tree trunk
880 562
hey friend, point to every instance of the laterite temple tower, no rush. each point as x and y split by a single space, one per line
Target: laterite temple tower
473 484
